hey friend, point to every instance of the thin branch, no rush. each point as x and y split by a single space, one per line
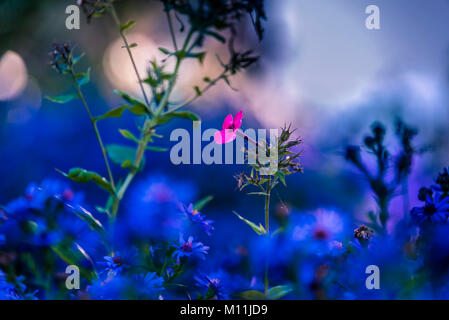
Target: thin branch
97 132
125 41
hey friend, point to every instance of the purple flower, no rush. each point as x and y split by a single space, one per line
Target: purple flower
190 248
435 209
197 218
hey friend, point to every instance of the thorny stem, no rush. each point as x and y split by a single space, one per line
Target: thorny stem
97 132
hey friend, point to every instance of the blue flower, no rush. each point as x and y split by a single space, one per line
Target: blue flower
9 291
153 212
215 284
320 232
435 209
117 263
190 248
198 219
149 285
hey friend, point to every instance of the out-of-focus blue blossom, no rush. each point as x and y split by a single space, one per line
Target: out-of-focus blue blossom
9 291
398 272
190 248
435 209
152 210
114 288
198 219
320 232
38 217
141 286
149 285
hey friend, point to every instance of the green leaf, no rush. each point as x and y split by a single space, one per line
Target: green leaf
137 107
281 177
156 149
77 59
202 203
87 217
260 230
179 114
127 25
257 194
151 82
114 113
216 35
127 164
278 292
83 176
84 78
198 91
73 254
132 45
199 55
164 51
128 135
253 295
119 153
63 98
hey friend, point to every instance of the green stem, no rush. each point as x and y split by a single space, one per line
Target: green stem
172 33
267 206
206 88
267 228
174 76
148 127
125 41
97 132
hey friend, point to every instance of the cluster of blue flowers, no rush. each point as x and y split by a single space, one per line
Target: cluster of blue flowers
163 247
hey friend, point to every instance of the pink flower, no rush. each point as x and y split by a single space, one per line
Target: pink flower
230 126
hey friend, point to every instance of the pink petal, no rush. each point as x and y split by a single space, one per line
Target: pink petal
238 120
224 136
228 122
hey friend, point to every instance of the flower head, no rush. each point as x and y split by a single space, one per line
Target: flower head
363 234
17 291
197 218
117 263
149 285
190 248
229 128
61 57
214 285
435 209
